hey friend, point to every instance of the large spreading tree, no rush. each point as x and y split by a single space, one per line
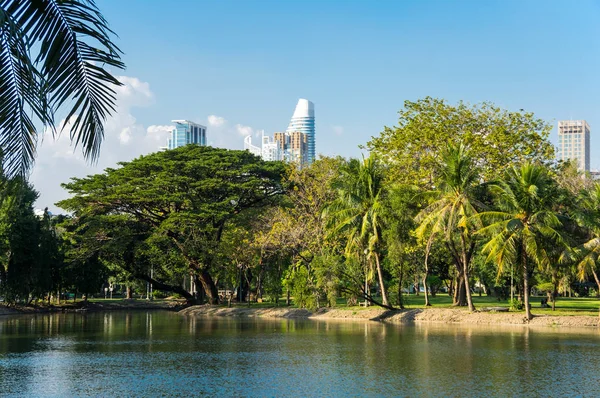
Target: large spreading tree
179 202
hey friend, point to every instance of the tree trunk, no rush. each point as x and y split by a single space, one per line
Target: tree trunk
384 298
427 250
400 276
416 285
167 288
465 262
209 288
460 298
596 279
366 287
598 284
128 292
525 283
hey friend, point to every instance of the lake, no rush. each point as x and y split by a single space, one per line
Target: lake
165 354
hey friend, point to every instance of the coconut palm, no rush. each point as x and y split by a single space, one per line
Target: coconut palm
451 213
589 218
356 214
54 55
524 224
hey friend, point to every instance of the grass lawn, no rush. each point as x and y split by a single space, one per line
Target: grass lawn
564 305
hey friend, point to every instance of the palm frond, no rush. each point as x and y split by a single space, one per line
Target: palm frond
22 95
75 48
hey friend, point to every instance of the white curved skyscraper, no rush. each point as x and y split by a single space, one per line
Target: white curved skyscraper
303 120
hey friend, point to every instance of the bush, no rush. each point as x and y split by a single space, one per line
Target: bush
516 305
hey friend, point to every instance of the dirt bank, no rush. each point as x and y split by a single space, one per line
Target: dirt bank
436 315
81 306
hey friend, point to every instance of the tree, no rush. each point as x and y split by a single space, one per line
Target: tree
403 252
451 214
588 216
54 54
297 233
524 219
20 234
181 199
497 139
356 214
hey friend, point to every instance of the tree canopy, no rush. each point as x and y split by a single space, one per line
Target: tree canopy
497 138
180 200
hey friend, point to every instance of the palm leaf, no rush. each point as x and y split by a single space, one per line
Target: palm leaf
75 48
22 95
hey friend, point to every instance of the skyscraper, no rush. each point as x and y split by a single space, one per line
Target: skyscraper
303 120
574 142
269 150
186 132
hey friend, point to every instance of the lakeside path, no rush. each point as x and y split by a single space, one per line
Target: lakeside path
429 315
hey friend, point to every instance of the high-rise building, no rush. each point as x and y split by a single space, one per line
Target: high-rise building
289 147
574 142
269 150
297 148
186 132
303 121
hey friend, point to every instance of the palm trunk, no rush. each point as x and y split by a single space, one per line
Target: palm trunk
466 272
598 284
427 250
525 283
384 299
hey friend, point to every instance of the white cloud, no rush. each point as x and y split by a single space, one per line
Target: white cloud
124 139
338 130
216 121
244 130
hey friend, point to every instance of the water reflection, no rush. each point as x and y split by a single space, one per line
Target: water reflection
160 353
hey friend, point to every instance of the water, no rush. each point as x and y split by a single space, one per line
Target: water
165 354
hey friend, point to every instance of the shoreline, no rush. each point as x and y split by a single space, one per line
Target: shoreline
449 316
410 316
95 306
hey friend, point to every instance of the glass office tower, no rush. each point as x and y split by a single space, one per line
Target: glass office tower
186 132
574 142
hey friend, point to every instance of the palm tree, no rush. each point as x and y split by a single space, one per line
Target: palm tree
356 213
524 223
54 54
451 213
589 218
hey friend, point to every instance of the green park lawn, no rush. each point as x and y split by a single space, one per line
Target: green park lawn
564 305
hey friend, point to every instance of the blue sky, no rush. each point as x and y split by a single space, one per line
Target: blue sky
248 62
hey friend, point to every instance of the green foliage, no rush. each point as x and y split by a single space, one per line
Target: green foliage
300 283
516 305
497 138
176 204
56 54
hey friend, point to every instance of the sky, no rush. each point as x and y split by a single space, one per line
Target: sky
239 67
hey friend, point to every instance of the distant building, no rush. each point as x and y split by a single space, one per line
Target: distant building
303 121
269 149
289 147
186 132
574 142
